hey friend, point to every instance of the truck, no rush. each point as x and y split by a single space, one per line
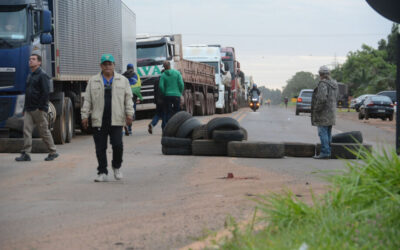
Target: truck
70 36
200 88
237 93
212 56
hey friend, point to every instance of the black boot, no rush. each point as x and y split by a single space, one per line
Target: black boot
51 157
24 157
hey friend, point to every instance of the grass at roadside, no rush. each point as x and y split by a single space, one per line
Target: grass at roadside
360 211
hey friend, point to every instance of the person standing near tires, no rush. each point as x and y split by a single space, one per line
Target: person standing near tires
323 110
108 98
171 87
35 109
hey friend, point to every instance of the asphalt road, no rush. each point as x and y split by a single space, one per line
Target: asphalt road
163 202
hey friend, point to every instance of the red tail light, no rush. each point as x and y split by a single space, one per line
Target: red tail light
370 104
299 99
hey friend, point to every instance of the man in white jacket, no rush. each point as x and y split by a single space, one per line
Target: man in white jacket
108 99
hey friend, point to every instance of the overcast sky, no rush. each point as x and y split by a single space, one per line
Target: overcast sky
273 39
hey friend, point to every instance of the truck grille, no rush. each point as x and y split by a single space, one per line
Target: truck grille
5 106
149 88
7 79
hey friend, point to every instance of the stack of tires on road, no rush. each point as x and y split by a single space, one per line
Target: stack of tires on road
223 136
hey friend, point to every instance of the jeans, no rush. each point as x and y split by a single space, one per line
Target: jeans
172 106
100 136
325 135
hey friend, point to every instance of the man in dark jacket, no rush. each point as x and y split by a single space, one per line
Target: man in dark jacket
35 109
323 110
171 87
254 90
136 85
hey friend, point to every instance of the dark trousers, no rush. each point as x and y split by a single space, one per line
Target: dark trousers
100 136
172 106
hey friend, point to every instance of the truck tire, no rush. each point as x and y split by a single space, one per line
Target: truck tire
176 151
187 128
175 122
200 133
59 129
298 149
341 150
256 149
173 142
69 119
227 135
209 148
348 137
222 123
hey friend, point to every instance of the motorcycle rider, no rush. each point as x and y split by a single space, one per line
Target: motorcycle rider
254 90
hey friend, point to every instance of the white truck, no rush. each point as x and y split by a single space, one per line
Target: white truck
212 57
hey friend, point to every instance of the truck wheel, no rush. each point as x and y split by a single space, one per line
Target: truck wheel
298 149
175 122
69 119
187 128
256 149
60 130
209 147
212 104
348 137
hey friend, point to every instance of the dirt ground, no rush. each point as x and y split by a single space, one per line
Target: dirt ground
387 125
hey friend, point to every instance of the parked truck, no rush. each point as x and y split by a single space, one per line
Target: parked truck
70 36
200 90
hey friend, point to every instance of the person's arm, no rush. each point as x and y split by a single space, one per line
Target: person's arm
87 103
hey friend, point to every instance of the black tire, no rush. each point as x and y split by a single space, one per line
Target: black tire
176 151
200 133
245 134
298 149
256 149
341 150
222 123
175 122
69 119
186 129
227 135
209 147
173 142
348 137
59 129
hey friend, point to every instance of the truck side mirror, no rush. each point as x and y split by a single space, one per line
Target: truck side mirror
46 38
46 21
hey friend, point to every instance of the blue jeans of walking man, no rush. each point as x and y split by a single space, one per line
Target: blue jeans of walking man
325 135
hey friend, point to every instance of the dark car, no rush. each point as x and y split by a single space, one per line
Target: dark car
356 102
303 104
390 93
376 106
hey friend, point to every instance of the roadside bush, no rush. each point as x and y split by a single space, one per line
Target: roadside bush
360 210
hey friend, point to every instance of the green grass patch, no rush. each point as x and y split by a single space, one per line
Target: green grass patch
361 210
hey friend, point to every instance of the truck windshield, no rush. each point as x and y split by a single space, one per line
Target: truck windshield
154 52
215 65
13 23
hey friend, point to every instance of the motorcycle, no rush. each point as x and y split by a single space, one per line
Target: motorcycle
254 103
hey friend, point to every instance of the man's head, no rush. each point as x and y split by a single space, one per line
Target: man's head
167 65
324 72
35 61
107 64
254 86
129 66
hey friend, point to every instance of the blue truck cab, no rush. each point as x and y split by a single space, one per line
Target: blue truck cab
25 28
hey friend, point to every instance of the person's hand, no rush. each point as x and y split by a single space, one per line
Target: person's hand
85 123
129 120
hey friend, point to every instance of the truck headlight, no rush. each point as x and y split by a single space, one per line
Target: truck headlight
19 104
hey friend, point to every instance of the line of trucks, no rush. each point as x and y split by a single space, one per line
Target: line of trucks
71 36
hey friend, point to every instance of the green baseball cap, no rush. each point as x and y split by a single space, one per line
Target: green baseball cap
107 58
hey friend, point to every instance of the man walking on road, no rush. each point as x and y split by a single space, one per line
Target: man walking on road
35 109
323 110
171 87
108 99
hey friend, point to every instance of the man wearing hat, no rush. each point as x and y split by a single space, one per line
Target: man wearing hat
323 110
108 99
136 85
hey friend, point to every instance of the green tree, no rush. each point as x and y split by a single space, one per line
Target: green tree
301 80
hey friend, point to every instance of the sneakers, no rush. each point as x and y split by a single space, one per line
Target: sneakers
117 174
24 157
322 157
51 156
101 178
150 129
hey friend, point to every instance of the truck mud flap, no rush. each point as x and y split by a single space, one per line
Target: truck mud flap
343 150
186 129
348 137
222 123
175 122
15 145
256 149
299 149
209 148
227 135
